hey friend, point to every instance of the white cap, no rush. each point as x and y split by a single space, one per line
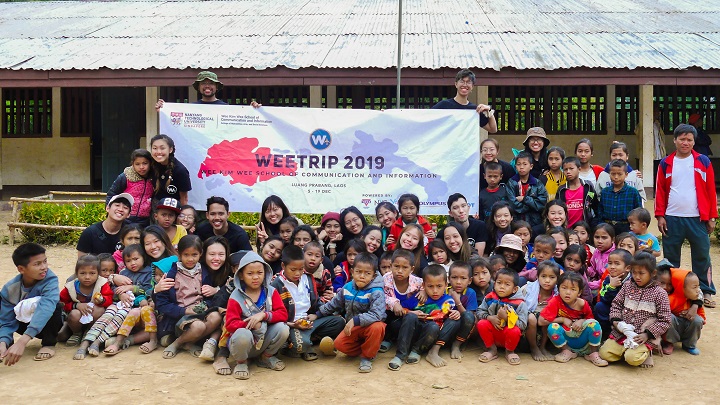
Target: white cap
122 195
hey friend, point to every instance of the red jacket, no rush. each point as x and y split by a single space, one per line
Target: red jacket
398 226
234 319
68 296
704 186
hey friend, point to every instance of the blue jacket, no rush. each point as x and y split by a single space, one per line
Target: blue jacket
364 306
49 292
531 207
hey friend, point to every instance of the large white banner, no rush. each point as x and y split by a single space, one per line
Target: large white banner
320 160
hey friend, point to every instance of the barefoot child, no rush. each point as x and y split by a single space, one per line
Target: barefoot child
640 314
503 318
465 303
299 296
323 276
254 306
570 323
405 324
34 295
439 307
537 295
85 299
184 310
618 269
362 303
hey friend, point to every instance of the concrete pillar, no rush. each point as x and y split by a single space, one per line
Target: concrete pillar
152 123
192 94
331 101
315 96
610 119
646 138
56 112
481 96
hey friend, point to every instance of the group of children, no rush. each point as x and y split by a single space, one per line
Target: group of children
561 276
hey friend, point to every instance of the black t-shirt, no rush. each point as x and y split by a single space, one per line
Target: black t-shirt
180 182
218 101
94 240
236 236
476 232
507 172
451 104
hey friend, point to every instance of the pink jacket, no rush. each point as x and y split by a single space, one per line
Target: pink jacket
140 188
389 288
598 262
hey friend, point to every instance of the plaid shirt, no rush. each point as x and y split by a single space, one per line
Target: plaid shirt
647 309
615 205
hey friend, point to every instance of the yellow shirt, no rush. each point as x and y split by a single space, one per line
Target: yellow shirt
179 233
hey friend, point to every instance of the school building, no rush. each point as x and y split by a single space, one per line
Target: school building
78 80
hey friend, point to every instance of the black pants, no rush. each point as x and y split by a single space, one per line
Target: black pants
49 333
457 329
412 334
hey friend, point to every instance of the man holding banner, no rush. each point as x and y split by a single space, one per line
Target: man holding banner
464 82
208 85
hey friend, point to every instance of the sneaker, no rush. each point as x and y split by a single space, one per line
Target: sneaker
327 346
692 350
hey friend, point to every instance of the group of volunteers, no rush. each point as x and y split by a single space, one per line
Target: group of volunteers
558 261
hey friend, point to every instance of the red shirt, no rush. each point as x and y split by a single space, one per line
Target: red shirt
574 199
556 307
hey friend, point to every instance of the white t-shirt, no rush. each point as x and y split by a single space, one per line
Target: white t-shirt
301 296
631 180
589 177
682 201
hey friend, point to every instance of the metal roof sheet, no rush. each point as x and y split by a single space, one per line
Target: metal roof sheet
262 34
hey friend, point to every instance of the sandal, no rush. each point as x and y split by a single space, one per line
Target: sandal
487 357
45 353
74 340
365 366
413 358
241 371
170 352
148 347
514 359
395 364
595 359
565 356
384 346
311 356
272 362
112 350
709 302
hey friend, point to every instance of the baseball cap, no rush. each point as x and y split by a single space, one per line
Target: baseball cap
169 203
121 196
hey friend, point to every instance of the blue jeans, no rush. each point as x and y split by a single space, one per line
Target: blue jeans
412 334
692 229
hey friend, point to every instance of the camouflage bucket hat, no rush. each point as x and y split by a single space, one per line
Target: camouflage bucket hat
207 75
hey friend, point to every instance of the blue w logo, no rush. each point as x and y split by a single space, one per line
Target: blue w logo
320 139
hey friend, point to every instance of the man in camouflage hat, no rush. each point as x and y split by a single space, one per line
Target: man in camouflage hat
207 84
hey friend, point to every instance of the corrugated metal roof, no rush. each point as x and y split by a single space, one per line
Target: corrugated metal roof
262 34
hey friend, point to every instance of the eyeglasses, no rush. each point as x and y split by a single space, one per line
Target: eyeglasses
466 82
355 220
535 140
488 150
186 216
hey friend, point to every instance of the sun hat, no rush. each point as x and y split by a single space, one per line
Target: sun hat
510 241
169 203
207 75
537 132
125 196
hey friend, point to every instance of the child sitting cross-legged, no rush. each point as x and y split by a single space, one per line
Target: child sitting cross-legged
404 323
362 302
440 308
299 295
255 318
640 314
503 318
570 322
465 303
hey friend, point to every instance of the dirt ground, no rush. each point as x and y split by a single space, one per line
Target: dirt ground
132 377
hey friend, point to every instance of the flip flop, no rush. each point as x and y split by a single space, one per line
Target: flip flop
395 364
47 354
74 340
272 362
170 352
384 346
311 356
709 302
487 357
112 350
241 371
145 347
514 359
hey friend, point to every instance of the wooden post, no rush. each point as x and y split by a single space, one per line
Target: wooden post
315 96
481 96
610 120
192 94
14 219
331 101
152 123
646 139
56 112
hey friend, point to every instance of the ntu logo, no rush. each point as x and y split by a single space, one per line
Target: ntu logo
320 139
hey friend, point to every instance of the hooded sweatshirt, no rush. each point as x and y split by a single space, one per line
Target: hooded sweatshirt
492 303
363 305
240 306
